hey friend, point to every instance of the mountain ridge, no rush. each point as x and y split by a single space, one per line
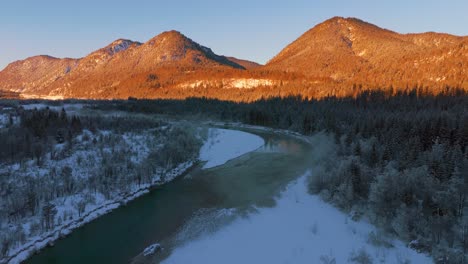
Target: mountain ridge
326 60
356 50
121 58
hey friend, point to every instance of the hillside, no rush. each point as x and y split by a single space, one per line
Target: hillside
113 71
353 51
34 73
339 57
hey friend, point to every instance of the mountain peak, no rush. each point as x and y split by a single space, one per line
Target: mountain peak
172 37
173 33
336 19
118 46
345 24
171 42
103 55
122 41
344 19
171 46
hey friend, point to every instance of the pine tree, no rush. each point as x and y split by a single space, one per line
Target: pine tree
374 157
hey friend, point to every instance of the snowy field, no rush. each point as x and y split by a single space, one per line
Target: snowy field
223 145
301 228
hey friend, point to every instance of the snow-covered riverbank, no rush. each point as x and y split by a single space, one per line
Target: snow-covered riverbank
282 234
37 243
223 145
301 228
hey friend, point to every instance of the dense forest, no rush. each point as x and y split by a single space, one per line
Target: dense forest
402 158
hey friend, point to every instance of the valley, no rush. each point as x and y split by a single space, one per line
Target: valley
241 132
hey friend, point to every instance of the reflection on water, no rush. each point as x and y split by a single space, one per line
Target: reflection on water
280 145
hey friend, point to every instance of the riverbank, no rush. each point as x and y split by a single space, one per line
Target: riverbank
209 153
241 126
311 222
316 230
300 228
224 145
24 252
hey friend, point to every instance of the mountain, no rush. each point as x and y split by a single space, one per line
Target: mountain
173 48
113 71
38 71
353 51
336 57
102 56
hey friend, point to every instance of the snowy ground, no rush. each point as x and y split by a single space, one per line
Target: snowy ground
223 145
300 229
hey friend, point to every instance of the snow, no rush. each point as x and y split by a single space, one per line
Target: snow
47 97
301 228
223 145
250 83
120 45
136 145
151 249
238 83
238 125
101 207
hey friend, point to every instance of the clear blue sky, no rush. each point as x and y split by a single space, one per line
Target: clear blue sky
248 29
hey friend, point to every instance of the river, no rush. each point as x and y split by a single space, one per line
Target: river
199 202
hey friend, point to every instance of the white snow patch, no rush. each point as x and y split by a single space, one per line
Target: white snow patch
46 97
151 249
223 145
237 83
300 229
250 83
